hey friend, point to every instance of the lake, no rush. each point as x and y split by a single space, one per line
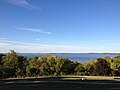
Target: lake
81 57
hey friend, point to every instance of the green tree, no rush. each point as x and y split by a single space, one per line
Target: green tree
21 66
66 67
115 66
33 67
1 69
79 69
10 64
102 67
89 67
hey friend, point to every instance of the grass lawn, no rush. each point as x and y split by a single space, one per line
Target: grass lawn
58 83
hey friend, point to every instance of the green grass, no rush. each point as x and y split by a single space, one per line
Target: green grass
59 83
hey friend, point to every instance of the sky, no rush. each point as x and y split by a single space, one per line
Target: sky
60 26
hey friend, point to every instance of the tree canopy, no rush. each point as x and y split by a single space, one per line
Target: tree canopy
13 65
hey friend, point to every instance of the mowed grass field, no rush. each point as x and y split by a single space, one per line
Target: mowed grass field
61 83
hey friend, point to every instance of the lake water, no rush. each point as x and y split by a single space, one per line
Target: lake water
82 57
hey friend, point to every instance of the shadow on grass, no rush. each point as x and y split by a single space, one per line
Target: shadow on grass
58 83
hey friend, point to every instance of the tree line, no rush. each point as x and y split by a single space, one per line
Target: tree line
13 65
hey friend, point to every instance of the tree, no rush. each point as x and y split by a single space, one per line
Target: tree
21 66
51 63
64 66
115 66
89 67
1 58
79 70
33 67
1 69
10 64
102 67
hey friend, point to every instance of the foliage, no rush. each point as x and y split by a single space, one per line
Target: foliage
13 65
102 67
115 66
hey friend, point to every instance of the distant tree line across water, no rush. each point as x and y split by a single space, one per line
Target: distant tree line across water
13 65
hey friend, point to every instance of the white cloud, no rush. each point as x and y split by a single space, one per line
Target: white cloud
37 39
24 47
34 30
15 42
6 45
2 38
24 4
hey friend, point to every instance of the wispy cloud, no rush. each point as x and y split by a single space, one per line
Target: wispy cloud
15 42
34 30
26 47
37 39
24 4
6 45
2 38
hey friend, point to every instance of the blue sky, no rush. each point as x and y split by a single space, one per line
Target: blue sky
60 26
